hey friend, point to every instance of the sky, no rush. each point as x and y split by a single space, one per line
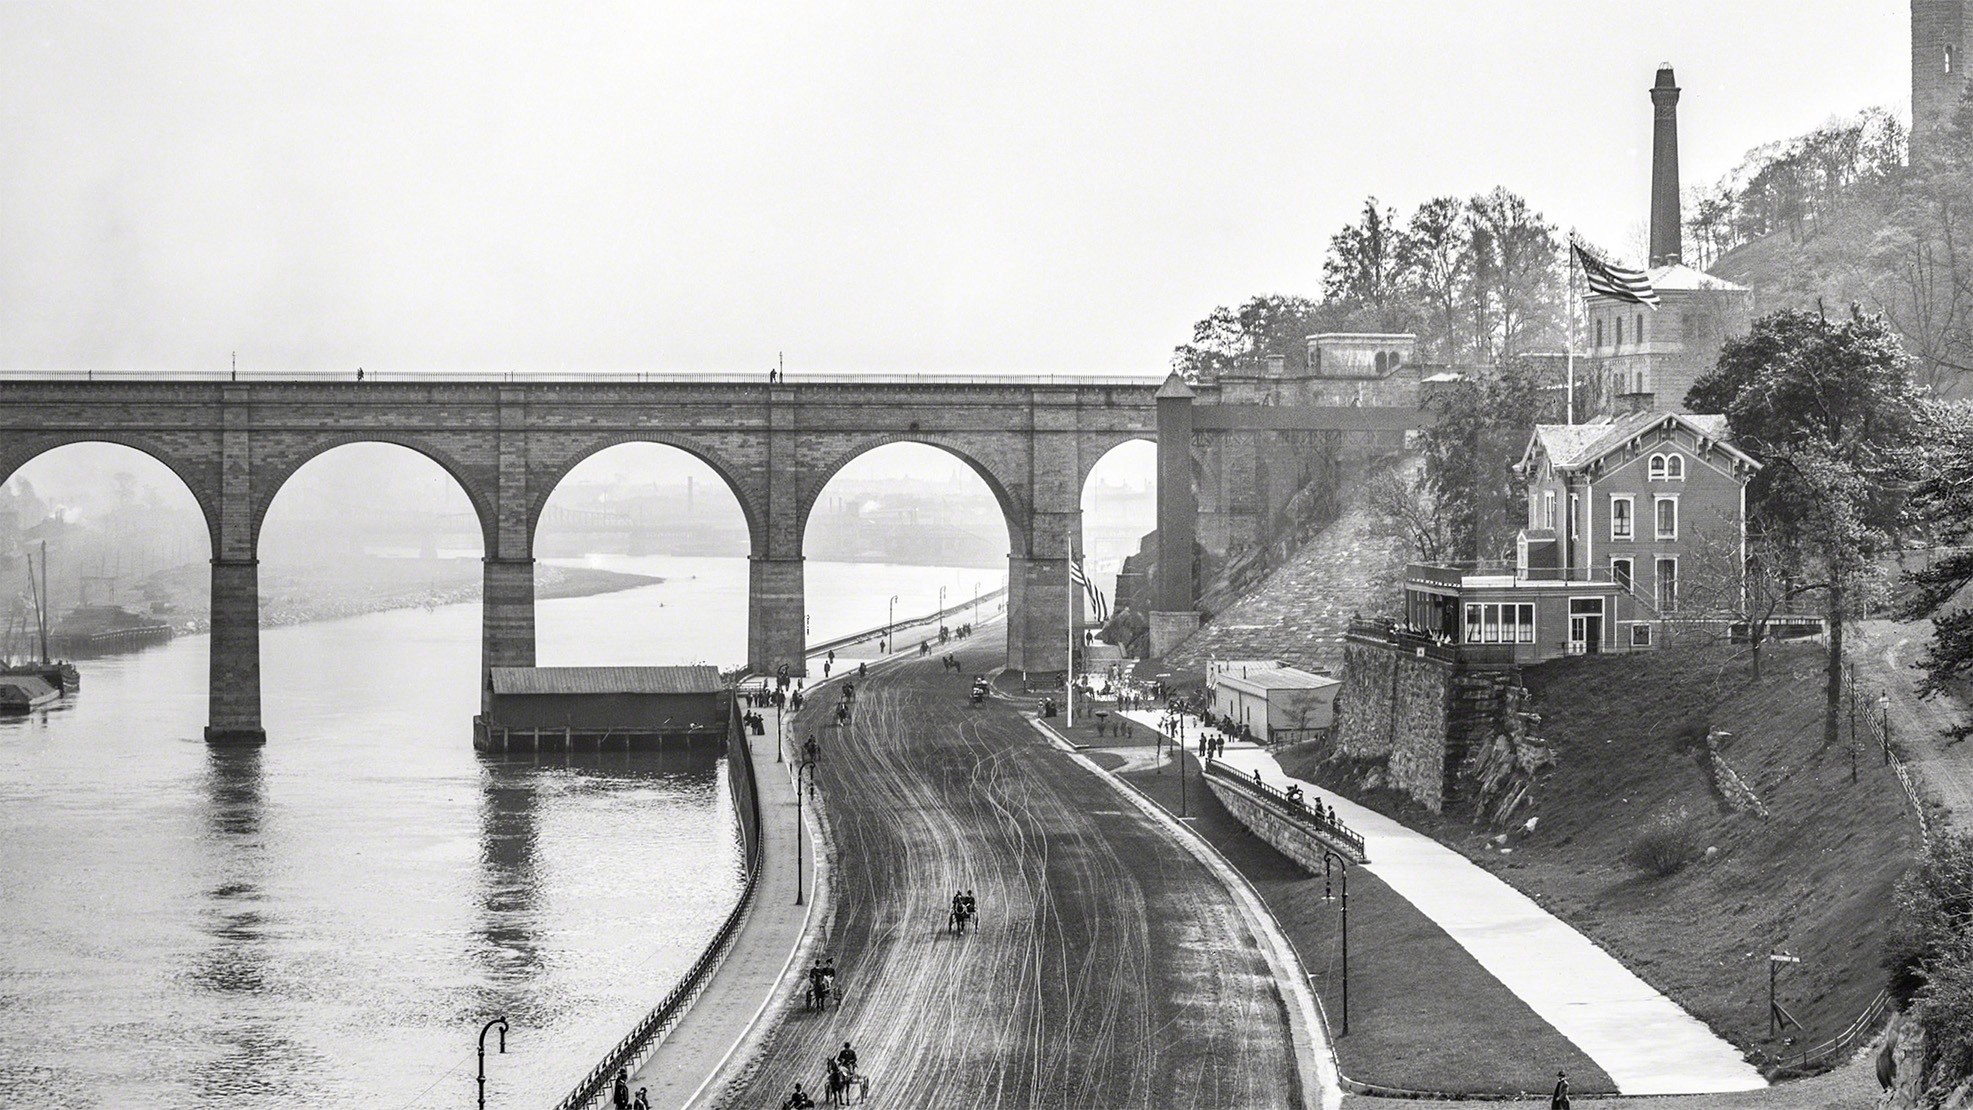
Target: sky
909 187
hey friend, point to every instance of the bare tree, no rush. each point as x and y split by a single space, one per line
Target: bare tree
1730 591
1402 507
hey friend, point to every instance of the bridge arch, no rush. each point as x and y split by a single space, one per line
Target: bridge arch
200 481
543 486
1014 508
287 457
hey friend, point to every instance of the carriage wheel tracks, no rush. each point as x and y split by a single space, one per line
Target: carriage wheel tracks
1107 968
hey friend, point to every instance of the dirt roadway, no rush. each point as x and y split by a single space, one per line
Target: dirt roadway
1109 970
1884 652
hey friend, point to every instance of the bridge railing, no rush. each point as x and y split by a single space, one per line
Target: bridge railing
553 377
636 1044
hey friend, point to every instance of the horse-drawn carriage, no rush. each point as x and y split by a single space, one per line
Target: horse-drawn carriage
979 691
821 991
844 1082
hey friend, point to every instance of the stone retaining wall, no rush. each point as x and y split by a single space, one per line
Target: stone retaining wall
1393 707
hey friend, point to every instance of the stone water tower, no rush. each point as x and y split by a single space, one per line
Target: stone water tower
1941 49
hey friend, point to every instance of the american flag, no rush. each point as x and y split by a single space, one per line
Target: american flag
1611 280
1098 604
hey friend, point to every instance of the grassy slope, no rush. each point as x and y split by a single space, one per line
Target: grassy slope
1423 1014
1815 879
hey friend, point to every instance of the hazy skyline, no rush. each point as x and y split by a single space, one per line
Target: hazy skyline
874 187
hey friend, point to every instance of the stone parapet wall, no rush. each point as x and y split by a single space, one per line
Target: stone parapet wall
1260 817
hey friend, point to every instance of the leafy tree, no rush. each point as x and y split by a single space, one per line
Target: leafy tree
1435 250
1217 342
1366 265
1515 291
1930 956
1829 409
1271 324
1481 430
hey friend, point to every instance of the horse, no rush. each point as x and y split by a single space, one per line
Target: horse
957 919
818 993
842 1081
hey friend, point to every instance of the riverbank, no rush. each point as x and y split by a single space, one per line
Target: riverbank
368 584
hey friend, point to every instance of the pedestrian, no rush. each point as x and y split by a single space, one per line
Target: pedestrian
643 1101
1560 1099
620 1091
862 669
359 373
826 664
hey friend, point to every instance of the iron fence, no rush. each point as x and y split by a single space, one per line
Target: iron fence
1294 810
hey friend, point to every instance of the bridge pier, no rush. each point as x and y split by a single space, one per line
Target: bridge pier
1174 608
776 609
1039 597
233 716
506 616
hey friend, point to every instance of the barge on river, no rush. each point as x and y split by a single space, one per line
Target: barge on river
21 693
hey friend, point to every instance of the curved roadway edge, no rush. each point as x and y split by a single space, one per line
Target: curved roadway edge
724 1026
1315 1057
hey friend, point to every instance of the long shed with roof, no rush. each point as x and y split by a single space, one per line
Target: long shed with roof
532 707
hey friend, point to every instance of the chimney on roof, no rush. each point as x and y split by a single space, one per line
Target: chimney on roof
1665 224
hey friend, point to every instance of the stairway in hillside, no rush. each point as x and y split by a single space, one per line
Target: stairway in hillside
1299 611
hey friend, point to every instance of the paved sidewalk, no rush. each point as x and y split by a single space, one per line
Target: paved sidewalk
1646 1043
722 1026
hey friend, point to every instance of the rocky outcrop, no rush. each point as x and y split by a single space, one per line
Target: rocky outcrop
1505 757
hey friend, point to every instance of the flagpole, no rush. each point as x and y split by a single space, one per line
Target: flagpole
1069 671
1570 415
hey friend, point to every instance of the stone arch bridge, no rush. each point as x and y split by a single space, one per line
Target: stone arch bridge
508 443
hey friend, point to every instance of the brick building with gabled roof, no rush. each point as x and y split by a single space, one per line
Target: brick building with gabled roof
1615 509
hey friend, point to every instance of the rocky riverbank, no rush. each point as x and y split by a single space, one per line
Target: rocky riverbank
353 587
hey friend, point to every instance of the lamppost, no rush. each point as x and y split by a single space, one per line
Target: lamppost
1884 707
890 626
1332 862
1184 808
502 1023
807 765
976 604
941 606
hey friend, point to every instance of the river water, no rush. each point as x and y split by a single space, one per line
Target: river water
327 921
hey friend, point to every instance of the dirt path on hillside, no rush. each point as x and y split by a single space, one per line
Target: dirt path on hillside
1884 652
1109 968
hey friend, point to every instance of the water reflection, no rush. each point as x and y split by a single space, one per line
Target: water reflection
254 1059
510 945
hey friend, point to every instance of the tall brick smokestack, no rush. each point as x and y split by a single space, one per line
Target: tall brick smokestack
1665 226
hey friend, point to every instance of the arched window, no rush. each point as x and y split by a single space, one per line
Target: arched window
1949 59
1397 357
1599 331
1657 466
1380 363
1620 331
1675 468
1640 327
